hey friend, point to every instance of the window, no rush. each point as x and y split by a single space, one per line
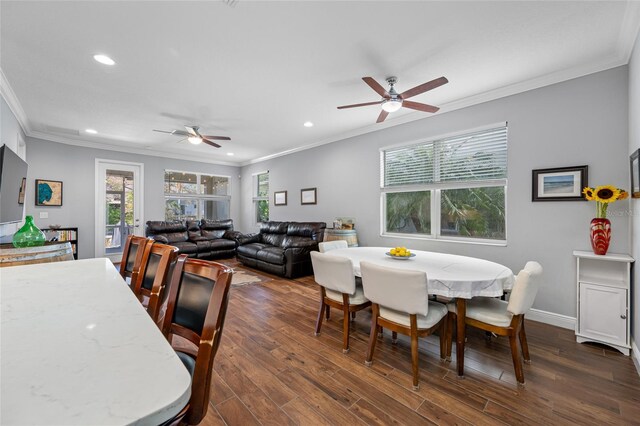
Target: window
453 188
261 196
193 196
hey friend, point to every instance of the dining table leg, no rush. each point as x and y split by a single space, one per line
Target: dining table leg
461 310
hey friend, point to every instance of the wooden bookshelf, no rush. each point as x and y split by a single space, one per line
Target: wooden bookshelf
64 234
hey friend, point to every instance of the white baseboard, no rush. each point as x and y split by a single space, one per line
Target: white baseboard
635 354
551 318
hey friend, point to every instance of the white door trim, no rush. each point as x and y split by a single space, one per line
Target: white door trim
100 188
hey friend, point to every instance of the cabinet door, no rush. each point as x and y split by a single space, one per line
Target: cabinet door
603 313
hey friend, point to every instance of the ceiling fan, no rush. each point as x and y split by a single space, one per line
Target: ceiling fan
193 135
392 100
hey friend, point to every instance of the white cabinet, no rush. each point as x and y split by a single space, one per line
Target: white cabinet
604 290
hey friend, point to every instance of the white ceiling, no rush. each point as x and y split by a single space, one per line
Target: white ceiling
257 71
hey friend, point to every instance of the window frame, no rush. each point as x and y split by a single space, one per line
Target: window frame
198 196
257 198
436 188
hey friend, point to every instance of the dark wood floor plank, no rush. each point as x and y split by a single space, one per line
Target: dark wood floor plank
271 369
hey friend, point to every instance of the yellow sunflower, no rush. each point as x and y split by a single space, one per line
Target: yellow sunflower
623 195
588 193
606 193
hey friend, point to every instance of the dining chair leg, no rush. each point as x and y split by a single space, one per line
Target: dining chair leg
414 351
320 312
451 325
353 316
517 362
380 332
372 335
443 339
523 343
394 337
461 313
328 312
345 323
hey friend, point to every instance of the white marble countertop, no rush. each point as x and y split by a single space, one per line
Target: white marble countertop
77 348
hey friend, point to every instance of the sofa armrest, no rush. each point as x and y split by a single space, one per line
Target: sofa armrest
248 238
160 238
196 239
308 244
232 235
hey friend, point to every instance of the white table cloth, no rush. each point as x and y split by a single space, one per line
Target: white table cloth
79 349
447 274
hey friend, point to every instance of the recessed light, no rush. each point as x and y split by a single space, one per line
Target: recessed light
308 124
92 131
230 154
104 59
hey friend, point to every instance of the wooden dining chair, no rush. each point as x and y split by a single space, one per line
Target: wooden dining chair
332 245
132 257
338 288
196 310
400 302
153 276
503 318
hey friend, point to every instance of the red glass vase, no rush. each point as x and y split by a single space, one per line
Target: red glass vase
600 235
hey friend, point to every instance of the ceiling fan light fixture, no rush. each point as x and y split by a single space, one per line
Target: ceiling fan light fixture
196 140
392 105
104 59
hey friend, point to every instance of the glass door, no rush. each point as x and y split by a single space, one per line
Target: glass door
118 206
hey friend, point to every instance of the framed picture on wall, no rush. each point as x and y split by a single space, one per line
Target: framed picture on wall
48 192
280 198
635 174
559 184
308 196
23 186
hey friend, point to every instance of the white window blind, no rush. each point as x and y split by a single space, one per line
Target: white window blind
476 156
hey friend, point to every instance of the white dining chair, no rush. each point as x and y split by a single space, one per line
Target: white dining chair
504 318
400 302
332 245
338 289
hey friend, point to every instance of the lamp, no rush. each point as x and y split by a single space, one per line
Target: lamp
392 105
195 140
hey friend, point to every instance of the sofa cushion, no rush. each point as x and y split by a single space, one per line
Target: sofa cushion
185 247
213 234
273 255
225 225
311 230
274 227
193 230
215 245
251 249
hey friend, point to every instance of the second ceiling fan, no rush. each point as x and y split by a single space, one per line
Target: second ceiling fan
392 101
193 135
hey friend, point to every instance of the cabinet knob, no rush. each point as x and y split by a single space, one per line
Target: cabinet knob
623 316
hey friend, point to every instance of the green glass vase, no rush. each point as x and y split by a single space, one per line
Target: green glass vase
29 235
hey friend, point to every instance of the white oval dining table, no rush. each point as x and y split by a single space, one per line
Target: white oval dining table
78 349
448 275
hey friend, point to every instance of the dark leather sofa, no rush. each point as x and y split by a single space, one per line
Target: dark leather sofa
204 239
282 248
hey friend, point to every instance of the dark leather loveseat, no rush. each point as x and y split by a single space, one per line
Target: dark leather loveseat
282 248
204 239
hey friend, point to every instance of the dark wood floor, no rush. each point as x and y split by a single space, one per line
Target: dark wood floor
271 369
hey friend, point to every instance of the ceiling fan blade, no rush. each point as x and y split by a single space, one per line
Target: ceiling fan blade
424 87
208 142
420 107
382 116
376 86
360 105
181 133
216 138
163 131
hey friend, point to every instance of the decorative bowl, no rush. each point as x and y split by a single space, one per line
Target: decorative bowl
400 257
55 227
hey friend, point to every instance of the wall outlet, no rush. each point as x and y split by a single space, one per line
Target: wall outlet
44 215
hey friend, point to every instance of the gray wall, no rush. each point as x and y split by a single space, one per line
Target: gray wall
581 121
11 134
634 144
75 167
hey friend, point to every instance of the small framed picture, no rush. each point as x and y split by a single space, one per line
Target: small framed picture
635 174
48 192
559 184
280 198
308 196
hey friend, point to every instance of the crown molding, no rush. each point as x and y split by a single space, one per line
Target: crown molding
12 101
129 150
502 92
